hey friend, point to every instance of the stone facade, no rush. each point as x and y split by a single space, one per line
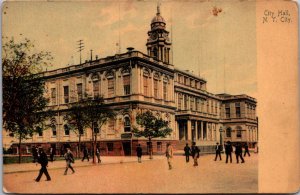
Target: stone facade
134 82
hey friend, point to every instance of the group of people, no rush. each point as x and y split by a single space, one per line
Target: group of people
35 153
229 150
86 154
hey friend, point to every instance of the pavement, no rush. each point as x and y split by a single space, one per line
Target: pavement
126 175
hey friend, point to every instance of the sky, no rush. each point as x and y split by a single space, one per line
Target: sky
221 49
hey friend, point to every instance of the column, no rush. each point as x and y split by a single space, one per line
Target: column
201 130
196 130
189 129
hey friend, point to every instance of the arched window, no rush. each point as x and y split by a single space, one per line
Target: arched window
155 81
127 127
155 55
239 132
39 131
146 75
67 130
165 87
110 84
54 132
126 81
96 85
228 132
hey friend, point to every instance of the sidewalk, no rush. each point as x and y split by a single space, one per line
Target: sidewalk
33 167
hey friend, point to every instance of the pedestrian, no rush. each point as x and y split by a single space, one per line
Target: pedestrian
98 154
51 153
187 152
85 154
238 153
169 155
69 160
246 150
43 160
228 151
34 152
195 152
218 151
139 153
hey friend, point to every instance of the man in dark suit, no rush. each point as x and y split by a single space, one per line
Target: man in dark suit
187 152
238 153
43 160
246 150
139 152
228 150
195 152
218 151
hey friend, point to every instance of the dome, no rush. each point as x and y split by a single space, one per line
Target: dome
158 18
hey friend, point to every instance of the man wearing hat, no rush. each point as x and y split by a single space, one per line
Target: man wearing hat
218 151
43 160
228 150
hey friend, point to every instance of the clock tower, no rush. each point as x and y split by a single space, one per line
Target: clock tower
158 42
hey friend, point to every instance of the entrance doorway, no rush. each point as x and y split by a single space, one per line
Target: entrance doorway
127 148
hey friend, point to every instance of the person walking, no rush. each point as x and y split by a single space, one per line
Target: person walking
238 153
85 154
228 151
43 160
187 152
195 153
139 153
52 152
218 151
169 155
98 154
246 150
69 157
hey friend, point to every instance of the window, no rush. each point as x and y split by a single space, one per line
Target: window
54 130
228 132
155 53
67 130
207 106
185 102
185 80
96 88
111 87
81 131
179 101
66 94
212 106
79 91
53 96
238 110
197 104
165 90
192 103
39 131
145 83
227 110
239 132
110 147
126 84
155 88
127 127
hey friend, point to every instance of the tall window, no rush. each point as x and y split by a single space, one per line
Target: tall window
40 131
179 101
238 132
186 99
185 80
227 110
228 132
197 104
192 103
127 127
54 132
159 146
155 88
155 53
111 87
126 84
79 91
67 130
165 90
53 96
145 83
238 110
66 94
96 88
212 106
207 106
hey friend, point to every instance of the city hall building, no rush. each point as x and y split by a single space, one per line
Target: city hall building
135 82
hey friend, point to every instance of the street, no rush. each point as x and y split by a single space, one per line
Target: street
150 176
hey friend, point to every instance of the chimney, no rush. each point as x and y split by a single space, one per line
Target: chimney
96 57
130 49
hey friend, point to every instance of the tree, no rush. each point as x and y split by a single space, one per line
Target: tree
77 120
24 104
152 128
97 114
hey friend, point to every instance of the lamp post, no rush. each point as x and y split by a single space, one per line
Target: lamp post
221 136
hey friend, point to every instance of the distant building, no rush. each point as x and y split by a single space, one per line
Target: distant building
135 82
